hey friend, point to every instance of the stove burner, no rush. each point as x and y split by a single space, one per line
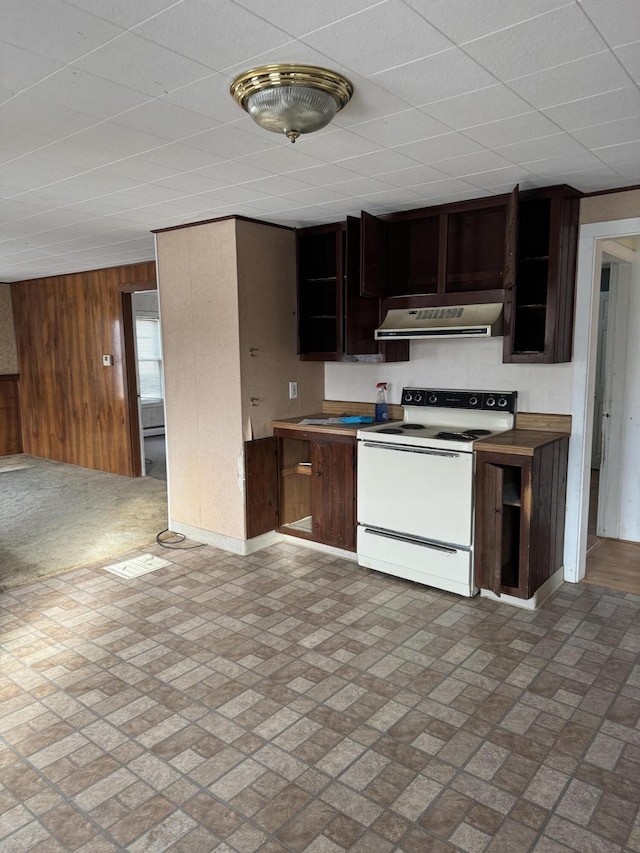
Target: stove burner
413 426
476 433
455 436
391 431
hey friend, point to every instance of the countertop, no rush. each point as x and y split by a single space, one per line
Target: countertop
518 442
330 429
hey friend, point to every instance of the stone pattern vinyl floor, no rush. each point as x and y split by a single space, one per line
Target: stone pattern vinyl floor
291 701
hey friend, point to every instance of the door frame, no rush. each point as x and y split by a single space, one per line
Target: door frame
610 491
584 376
130 369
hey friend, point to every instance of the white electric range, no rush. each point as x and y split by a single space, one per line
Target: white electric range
416 485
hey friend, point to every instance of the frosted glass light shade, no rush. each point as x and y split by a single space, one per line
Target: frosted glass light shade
291 99
292 109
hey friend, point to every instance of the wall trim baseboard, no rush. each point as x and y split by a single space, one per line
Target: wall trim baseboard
243 547
536 600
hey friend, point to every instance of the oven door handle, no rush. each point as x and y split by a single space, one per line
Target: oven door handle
415 540
404 448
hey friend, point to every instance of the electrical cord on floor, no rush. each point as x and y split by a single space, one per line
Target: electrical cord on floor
174 543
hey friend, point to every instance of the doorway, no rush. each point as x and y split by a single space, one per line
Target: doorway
147 341
604 497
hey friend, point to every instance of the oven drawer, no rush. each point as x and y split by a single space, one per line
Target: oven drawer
425 493
416 560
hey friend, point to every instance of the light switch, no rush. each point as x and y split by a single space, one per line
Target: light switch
107 361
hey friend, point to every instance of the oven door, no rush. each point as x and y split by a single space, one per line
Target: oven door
417 491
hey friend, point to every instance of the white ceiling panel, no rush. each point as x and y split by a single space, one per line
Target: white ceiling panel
605 107
629 56
473 108
22 68
610 133
617 20
298 18
407 35
581 78
116 117
552 39
400 128
54 29
156 70
463 21
77 90
444 75
123 12
216 33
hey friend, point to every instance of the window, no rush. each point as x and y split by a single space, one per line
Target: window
149 358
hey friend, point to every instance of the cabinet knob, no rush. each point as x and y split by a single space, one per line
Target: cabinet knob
253 351
255 401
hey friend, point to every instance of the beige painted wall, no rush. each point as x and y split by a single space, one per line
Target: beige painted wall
602 208
267 307
8 352
224 287
197 283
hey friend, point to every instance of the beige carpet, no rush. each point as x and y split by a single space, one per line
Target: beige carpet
55 517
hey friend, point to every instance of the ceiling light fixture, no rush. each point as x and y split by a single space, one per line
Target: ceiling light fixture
291 99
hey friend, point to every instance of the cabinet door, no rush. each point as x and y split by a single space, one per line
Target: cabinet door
261 472
373 256
333 493
488 554
362 315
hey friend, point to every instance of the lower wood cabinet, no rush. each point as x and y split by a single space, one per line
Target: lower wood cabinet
316 489
520 516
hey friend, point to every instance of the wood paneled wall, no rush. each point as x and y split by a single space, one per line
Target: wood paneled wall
10 440
72 408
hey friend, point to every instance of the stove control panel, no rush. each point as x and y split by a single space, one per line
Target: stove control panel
502 401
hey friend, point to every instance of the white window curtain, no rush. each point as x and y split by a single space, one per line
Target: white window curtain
149 358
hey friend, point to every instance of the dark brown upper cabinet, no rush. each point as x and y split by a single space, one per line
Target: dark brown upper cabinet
539 309
335 321
455 253
519 249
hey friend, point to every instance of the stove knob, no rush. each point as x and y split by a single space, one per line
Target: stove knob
473 401
433 398
502 402
418 398
408 397
490 401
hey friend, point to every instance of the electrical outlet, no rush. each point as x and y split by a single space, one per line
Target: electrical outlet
293 390
107 361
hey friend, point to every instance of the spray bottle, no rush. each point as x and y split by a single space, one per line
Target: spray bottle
382 411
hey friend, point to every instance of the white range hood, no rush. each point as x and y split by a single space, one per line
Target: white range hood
447 321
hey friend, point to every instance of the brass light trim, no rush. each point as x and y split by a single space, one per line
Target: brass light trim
289 74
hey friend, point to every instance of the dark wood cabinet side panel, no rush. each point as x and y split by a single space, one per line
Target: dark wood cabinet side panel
10 431
541 516
261 472
72 408
527 537
560 501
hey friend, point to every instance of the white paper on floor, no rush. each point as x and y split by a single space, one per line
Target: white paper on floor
137 566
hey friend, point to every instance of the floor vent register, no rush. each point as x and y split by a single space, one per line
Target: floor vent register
137 566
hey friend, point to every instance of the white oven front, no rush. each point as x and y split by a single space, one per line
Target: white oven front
416 490
415 513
